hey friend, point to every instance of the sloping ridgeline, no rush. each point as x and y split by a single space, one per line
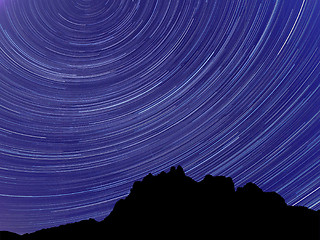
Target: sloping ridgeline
172 205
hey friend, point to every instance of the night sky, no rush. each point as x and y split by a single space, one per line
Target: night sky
96 94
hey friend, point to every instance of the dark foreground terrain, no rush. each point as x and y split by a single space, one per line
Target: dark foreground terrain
172 205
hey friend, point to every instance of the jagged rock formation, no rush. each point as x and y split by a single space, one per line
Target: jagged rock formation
172 205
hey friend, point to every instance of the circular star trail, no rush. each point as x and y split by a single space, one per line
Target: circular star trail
96 94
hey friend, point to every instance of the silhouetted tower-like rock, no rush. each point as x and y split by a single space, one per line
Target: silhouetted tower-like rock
172 205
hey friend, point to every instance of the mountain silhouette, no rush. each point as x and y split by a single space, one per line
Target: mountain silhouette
173 205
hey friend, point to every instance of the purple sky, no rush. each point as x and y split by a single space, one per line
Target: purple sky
96 94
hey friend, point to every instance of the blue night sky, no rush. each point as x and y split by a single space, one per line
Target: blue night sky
96 94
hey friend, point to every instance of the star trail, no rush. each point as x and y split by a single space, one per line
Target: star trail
96 94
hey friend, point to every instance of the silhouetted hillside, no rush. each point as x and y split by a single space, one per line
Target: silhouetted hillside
8 235
172 205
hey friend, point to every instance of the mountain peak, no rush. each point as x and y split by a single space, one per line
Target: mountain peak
173 204
177 171
249 188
